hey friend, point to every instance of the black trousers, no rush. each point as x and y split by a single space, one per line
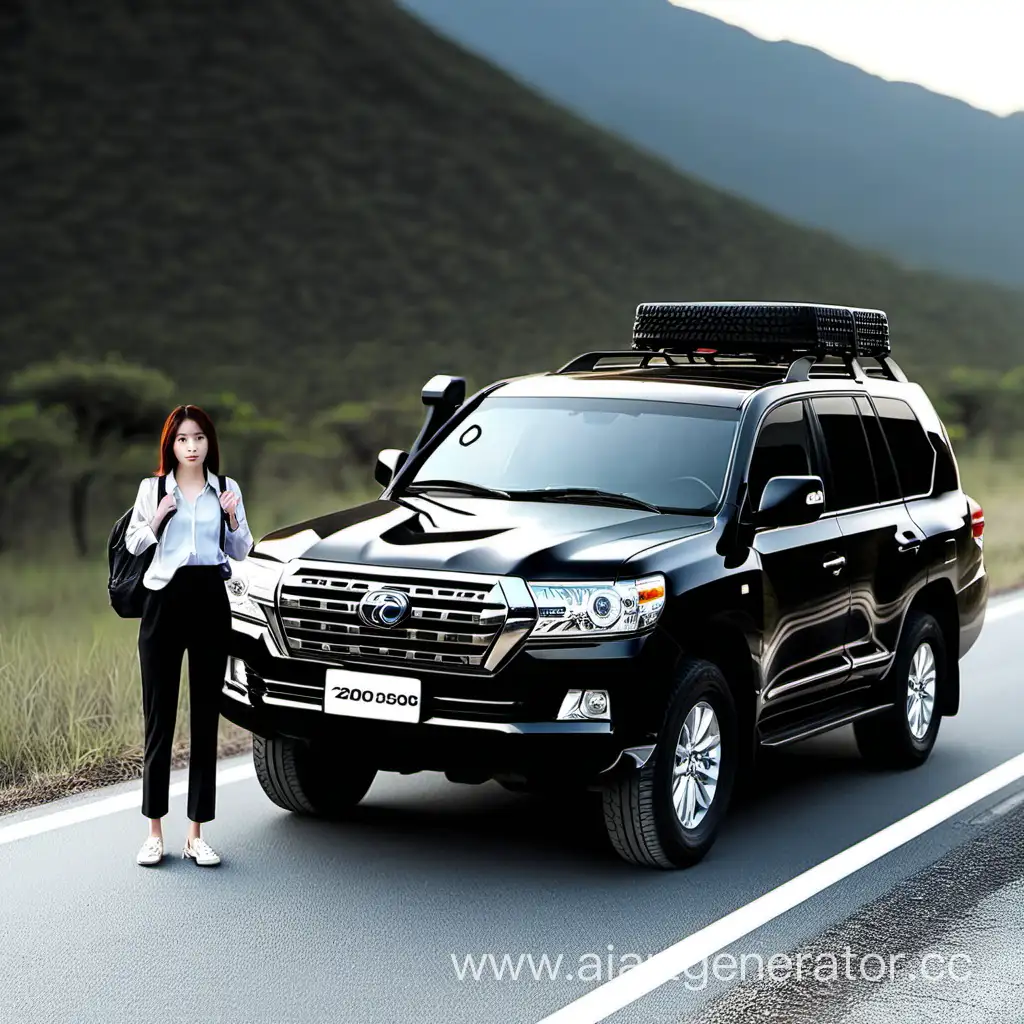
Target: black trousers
190 613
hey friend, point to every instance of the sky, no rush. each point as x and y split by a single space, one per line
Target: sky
971 49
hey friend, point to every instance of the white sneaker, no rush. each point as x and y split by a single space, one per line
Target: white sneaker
151 851
200 851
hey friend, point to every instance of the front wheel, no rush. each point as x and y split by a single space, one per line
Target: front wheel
309 778
903 736
668 813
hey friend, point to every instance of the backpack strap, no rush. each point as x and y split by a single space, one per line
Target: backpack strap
223 514
161 490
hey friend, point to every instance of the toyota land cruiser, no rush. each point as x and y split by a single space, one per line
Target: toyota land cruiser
626 575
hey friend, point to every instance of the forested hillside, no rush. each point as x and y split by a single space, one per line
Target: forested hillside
320 200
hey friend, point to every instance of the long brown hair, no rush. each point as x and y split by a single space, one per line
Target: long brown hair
168 460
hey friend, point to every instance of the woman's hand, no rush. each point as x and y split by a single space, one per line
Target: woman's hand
228 502
167 505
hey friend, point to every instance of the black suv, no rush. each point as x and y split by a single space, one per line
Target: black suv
625 576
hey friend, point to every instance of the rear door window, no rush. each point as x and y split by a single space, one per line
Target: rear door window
851 482
881 459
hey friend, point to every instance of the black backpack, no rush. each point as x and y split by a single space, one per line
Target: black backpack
125 588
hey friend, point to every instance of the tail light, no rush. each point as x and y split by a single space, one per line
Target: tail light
977 519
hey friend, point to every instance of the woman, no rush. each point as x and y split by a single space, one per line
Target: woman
185 608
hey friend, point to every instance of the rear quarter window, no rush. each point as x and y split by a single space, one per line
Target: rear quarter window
946 477
911 450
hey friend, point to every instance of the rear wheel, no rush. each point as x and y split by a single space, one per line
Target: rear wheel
903 736
309 777
668 813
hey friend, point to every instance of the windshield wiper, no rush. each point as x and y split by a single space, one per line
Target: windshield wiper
477 490
591 494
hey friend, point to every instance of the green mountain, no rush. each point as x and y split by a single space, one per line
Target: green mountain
311 201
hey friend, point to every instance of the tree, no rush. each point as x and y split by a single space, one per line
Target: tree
971 396
112 405
249 433
361 429
33 442
1009 409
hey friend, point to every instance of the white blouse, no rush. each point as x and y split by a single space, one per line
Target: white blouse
192 535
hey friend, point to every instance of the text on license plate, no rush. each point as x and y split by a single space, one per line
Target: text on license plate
370 695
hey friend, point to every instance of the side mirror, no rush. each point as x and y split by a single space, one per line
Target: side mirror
790 501
389 462
442 395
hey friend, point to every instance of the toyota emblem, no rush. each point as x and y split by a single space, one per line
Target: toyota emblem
385 608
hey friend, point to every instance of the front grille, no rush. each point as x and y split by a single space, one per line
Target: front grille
454 619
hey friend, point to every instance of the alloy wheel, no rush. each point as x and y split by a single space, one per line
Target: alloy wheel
921 691
697 761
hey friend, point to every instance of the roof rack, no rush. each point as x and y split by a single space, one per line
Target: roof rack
792 334
588 360
799 369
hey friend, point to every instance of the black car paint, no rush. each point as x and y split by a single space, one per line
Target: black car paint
457 533
764 597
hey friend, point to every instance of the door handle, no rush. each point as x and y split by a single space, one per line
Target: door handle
835 564
909 541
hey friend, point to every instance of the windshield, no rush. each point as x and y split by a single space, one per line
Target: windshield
669 454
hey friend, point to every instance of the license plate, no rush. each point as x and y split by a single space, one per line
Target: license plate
370 695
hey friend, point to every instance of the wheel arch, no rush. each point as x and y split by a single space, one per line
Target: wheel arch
938 599
726 644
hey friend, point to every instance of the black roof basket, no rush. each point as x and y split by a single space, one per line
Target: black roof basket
764 333
753 328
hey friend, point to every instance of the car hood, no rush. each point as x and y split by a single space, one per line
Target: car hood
531 539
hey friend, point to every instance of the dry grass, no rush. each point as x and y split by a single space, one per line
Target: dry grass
70 687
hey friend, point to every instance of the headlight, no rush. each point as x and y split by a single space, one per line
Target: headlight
598 609
253 580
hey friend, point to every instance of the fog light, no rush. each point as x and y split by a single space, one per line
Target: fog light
584 705
236 671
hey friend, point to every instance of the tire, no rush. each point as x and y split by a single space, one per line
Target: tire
639 810
889 740
305 778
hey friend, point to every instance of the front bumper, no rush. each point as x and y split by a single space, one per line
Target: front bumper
477 725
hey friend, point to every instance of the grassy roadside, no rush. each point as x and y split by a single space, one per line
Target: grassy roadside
70 698
70 690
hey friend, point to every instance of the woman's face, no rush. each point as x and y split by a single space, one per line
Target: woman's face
190 441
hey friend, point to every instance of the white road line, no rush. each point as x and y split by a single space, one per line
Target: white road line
637 982
108 805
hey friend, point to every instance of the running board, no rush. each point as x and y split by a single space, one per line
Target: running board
822 723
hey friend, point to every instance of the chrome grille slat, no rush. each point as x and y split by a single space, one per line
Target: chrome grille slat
288 693
304 581
321 630
450 623
325 651
350 608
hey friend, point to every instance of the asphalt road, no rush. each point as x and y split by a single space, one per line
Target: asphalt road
307 921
